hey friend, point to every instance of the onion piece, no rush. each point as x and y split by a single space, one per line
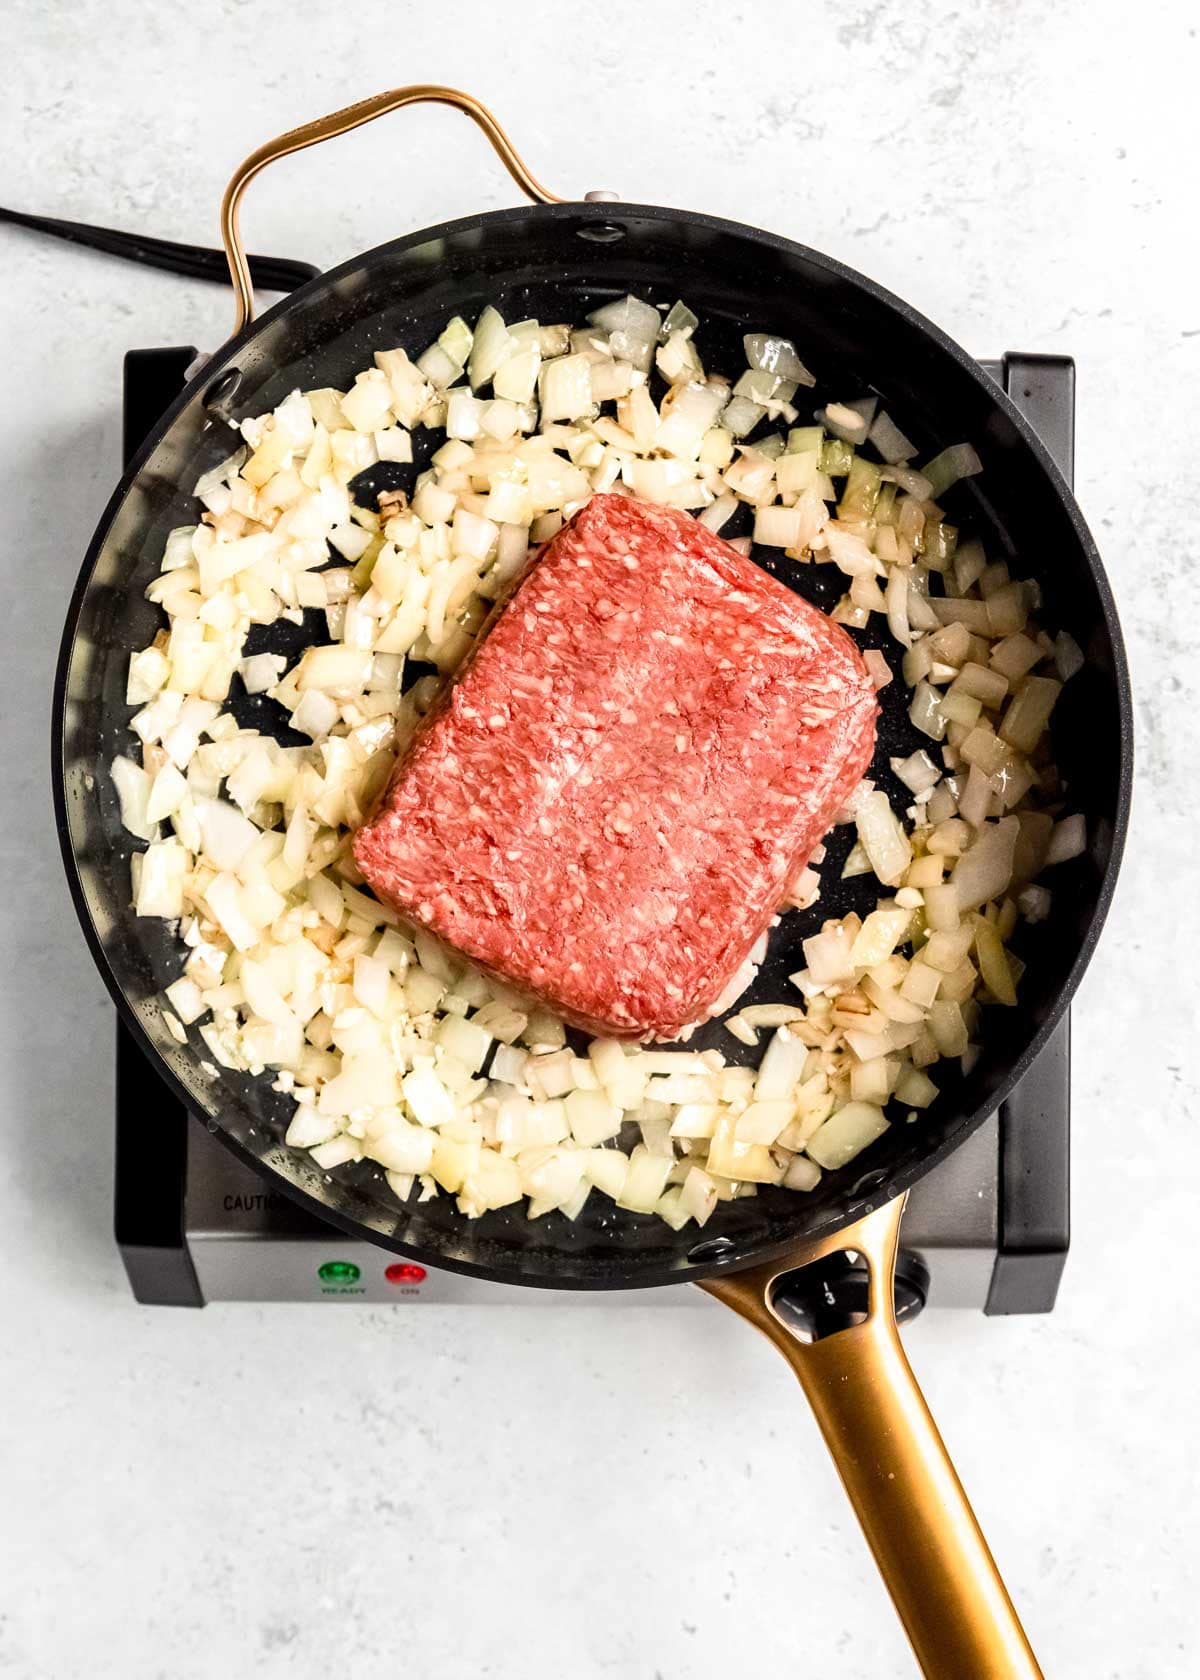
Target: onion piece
925 712
1069 840
1034 904
491 347
1029 712
778 527
849 421
592 1117
914 483
628 315
890 440
848 551
879 936
846 1134
677 360
897 595
309 1127
227 835
918 772
133 787
740 416
440 368
882 837
565 388
993 964
718 514
515 380
684 425
781 1068
261 672
644 1181
828 953
765 388
426 1097
776 355
915 1089
959 461
985 870
679 319
698 1195
164 868
1068 656
801 1174
878 668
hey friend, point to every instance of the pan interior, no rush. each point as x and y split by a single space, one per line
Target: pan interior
556 264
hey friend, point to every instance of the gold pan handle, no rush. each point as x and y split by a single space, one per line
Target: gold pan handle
916 1518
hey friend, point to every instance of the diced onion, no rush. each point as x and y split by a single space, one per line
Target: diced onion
427 1098
629 315
877 665
776 355
1034 904
782 1066
164 869
778 527
133 787
959 461
917 772
1029 712
849 421
1069 840
846 1133
679 319
1068 656
740 416
882 837
491 347
566 388
896 597
393 1050
802 1174
262 671
440 368
925 712
890 440
985 871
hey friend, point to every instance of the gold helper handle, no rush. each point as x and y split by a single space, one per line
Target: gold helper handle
917 1520
341 122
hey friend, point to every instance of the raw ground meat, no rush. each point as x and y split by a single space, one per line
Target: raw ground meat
640 756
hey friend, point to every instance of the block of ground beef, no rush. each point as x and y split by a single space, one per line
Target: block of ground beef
639 757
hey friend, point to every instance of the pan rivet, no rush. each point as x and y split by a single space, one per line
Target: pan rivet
716 1248
223 388
601 233
600 196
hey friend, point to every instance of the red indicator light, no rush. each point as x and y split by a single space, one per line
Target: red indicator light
405 1271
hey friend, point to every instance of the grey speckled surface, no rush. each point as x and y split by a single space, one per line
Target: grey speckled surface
517 1495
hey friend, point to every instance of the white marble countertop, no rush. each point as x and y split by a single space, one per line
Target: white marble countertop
454 1493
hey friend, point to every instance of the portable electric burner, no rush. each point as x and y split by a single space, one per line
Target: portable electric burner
988 1229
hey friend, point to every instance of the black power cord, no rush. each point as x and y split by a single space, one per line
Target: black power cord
197 262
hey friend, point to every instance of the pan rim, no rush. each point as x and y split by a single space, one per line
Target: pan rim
897 1182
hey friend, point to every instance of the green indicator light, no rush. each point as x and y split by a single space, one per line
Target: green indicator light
338 1271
